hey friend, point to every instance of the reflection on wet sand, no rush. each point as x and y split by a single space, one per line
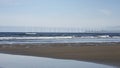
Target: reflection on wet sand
18 61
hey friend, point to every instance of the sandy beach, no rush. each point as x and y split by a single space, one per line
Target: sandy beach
103 53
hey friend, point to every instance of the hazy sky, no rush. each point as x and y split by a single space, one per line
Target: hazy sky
60 13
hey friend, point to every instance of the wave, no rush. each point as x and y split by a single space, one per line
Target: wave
103 36
87 37
34 38
57 37
31 33
99 36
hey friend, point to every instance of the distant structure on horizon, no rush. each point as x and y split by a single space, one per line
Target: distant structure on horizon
47 29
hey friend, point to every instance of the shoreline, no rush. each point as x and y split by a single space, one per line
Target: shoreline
102 53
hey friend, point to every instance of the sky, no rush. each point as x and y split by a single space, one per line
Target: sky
83 14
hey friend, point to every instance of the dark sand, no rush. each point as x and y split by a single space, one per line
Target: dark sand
104 53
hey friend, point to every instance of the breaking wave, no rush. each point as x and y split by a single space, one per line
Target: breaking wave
56 37
34 38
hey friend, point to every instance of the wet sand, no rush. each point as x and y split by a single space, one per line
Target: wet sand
104 53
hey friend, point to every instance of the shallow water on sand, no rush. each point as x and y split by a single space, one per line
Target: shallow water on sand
18 61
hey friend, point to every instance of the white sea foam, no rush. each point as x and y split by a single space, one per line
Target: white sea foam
104 36
100 36
57 37
32 38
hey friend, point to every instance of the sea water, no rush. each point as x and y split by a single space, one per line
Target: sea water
37 37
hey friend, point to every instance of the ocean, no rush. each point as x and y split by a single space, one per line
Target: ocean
51 37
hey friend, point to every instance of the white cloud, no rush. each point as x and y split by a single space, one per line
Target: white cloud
106 12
